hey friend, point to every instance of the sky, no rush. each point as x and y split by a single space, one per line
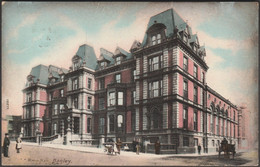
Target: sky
47 33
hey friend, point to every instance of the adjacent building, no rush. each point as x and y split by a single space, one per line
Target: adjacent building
158 90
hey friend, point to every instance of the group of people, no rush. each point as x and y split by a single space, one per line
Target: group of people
6 145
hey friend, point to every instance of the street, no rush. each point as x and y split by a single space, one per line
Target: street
41 155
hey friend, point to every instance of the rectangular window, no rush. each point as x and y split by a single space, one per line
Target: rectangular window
155 89
196 142
118 78
75 102
134 75
195 94
75 84
89 125
118 60
203 77
62 109
75 64
89 83
185 141
89 103
222 127
55 109
185 63
133 121
29 97
217 126
102 65
101 103
185 89
156 63
76 125
111 123
234 116
185 117
61 93
101 83
62 78
50 96
195 117
120 98
112 100
234 131
134 97
101 125
226 129
195 73
54 129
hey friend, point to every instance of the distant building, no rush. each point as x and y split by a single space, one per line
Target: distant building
13 126
157 91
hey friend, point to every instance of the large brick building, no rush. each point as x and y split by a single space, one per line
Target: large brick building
157 91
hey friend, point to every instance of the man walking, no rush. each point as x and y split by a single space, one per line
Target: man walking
199 148
6 145
18 144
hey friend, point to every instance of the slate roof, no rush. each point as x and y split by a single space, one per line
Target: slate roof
88 55
193 38
106 55
122 51
170 19
40 72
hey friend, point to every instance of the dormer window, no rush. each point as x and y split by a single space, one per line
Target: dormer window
118 60
185 38
62 78
156 39
75 65
102 65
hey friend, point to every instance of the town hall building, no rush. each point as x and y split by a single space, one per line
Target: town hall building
156 91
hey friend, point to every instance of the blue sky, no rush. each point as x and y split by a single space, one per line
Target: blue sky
50 33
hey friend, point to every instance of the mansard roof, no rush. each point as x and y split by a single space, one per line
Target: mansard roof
122 52
40 73
170 19
106 55
87 54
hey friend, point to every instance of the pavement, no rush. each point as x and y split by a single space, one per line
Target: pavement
90 149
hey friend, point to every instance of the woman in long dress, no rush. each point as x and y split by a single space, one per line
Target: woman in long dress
18 144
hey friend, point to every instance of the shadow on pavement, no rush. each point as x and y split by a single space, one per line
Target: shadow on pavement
211 160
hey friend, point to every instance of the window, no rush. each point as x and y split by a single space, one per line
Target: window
76 65
28 97
196 142
54 129
234 131
134 75
195 72
101 125
62 78
75 84
101 83
89 103
102 65
234 116
133 121
118 78
55 109
230 129
185 89
185 141
156 39
89 125
217 125
195 94
101 103
203 77
155 63
118 60
89 83
155 88
195 117
226 133
211 120
222 127
112 99
185 117
185 63
50 96
111 123
76 125
61 93
120 98
62 108
75 102
134 97
120 122
213 143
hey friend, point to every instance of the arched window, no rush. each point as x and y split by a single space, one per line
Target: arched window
211 119
154 40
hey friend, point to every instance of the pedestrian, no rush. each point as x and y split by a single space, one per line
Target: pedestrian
6 145
199 148
157 147
18 144
134 145
118 145
137 147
